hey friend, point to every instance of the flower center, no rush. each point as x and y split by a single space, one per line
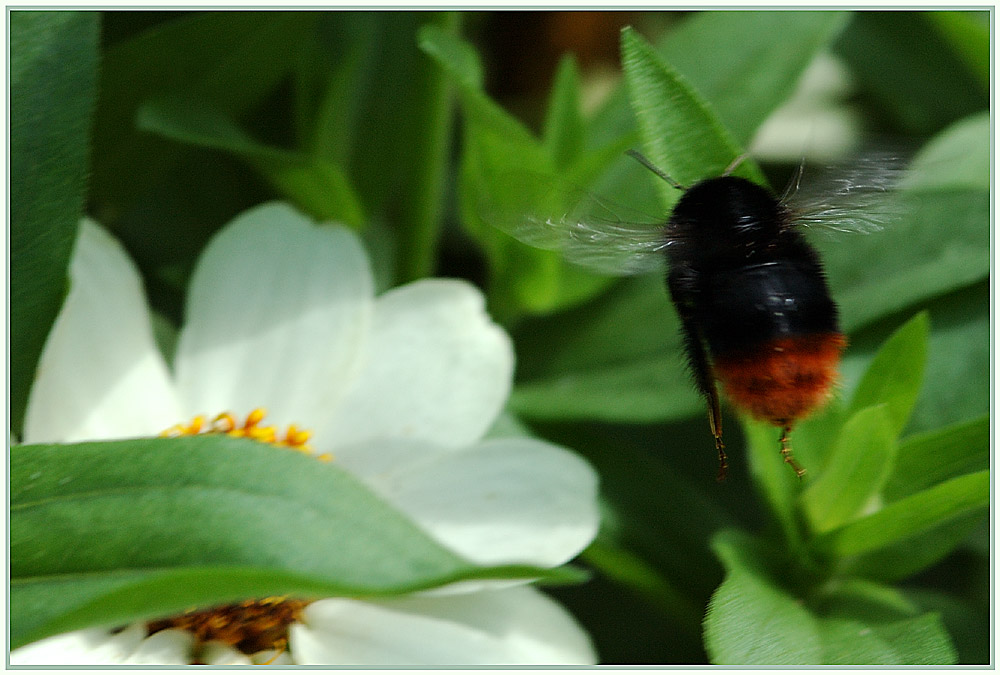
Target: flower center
250 626
226 423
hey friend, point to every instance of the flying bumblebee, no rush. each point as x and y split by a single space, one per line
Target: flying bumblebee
756 313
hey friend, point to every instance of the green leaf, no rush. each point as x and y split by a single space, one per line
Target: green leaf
885 49
907 517
941 245
865 623
400 144
750 78
746 81
318 187
857 469
106 533
969 36
228 61
497 146
53 73
935 456
681 134
896 373
562 132
755 618
751 620
617 358
956 159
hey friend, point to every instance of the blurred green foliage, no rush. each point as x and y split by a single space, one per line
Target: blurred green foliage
386 121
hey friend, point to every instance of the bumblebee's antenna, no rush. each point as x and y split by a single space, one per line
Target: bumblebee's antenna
642 159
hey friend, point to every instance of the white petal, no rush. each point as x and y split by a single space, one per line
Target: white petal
511 626
512 500
277 311
220 654
100 375
165 647
437 369
92 646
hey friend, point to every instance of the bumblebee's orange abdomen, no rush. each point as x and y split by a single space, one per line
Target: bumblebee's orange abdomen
782 380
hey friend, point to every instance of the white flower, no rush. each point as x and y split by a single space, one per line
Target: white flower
282 315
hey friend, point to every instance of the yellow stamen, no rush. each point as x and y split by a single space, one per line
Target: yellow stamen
294 438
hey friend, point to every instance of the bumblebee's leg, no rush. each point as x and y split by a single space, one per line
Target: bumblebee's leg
680 291
786 452
715 420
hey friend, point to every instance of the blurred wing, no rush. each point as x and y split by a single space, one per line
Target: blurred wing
583 228
859 196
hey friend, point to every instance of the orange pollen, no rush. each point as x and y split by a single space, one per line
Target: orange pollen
250 626
226 423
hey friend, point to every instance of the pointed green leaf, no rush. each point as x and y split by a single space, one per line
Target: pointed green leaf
938 455
562 132
105 533
856 470
680 133
908 517
896 373
746 81
53 79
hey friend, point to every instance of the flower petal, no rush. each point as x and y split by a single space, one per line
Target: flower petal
165 647
278 309
509 500
497 627
100 375
437 369
92 646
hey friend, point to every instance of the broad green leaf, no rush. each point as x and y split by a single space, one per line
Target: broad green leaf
964 620
907 517
681 134
855 472
751 620
865 623
931 457
53 73
320 188
562 132
105 533
755 618
896 373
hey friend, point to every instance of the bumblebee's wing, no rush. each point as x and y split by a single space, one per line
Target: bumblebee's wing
858 196
584 228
